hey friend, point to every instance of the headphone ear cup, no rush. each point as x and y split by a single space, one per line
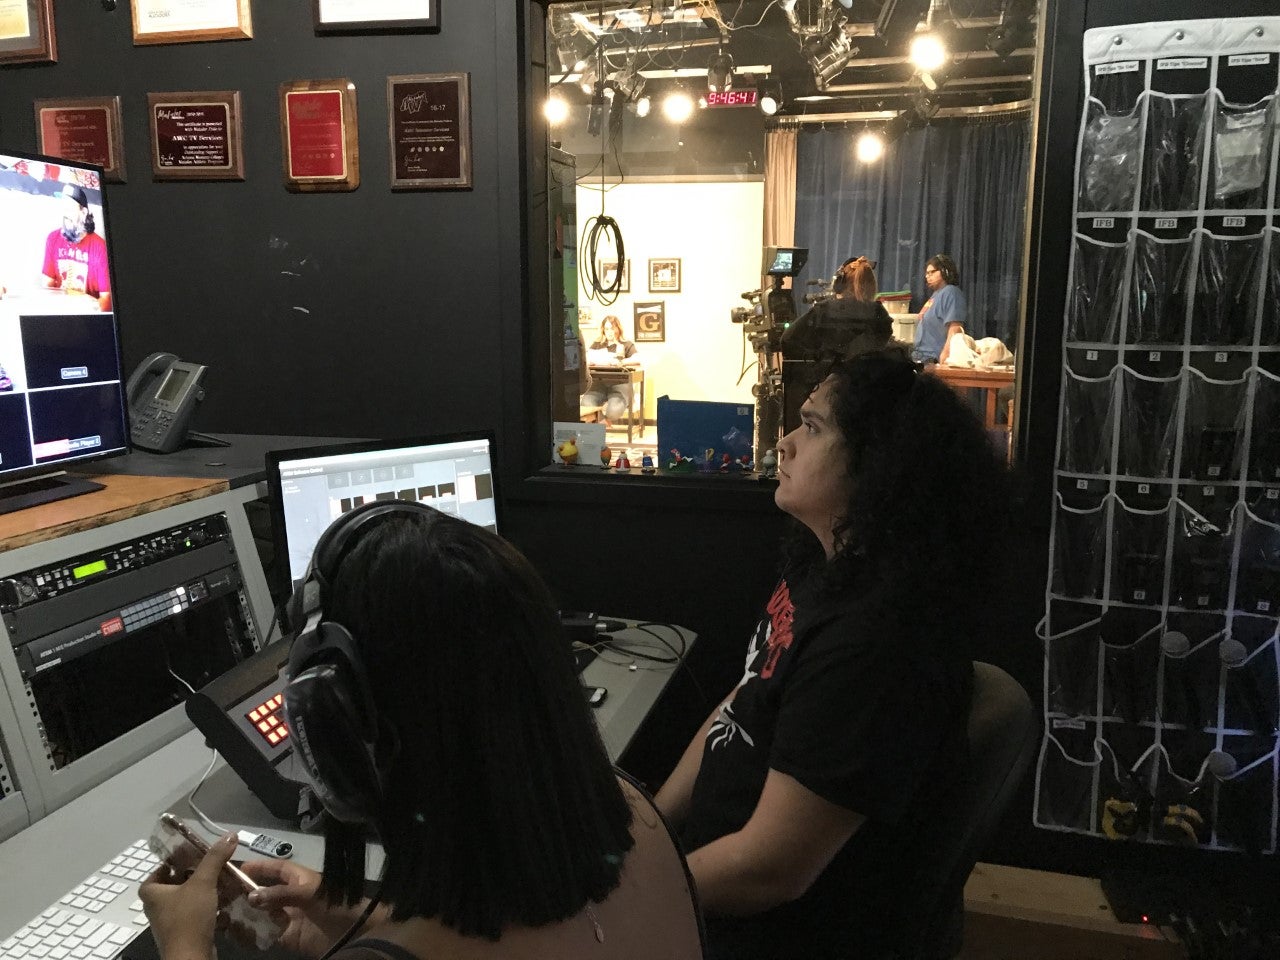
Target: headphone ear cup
331 738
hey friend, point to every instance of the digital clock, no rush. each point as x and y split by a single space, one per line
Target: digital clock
733 98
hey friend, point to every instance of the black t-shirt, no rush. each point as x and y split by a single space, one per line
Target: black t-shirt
837 328
864 716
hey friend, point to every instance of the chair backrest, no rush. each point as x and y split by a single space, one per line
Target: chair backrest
1003 736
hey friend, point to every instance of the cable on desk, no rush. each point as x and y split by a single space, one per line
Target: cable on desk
636 651
215 828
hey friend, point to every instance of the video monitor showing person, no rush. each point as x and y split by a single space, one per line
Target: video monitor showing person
61 392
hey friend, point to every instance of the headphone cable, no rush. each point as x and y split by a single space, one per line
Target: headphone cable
343 940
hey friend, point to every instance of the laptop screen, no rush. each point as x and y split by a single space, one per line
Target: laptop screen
312 487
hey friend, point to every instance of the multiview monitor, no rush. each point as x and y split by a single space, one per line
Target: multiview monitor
312 487
62 400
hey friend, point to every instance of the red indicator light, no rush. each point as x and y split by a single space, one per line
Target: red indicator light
264 726
254 715
273 738
273 720
283 731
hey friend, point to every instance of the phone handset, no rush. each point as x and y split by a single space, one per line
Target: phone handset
163 394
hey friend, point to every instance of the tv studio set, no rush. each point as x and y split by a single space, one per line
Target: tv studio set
627 479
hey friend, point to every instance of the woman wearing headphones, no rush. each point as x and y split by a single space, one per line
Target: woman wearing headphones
436 708
943 315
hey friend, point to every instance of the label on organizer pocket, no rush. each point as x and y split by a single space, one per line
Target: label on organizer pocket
1166 223
1233 221
1073 723
1182 63
1248 59
1123 66
1103 223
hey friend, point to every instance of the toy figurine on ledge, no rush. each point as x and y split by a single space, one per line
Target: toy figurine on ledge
745 463
679 463
646 465
623 465
568 451
769 465
605 456
708 464
726 461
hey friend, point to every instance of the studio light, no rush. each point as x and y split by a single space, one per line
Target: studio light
829 54
1014 30
769 96
556 110
590 77
898 19
677 106
926 104
869 147
928 52
643 104
896 128
720 72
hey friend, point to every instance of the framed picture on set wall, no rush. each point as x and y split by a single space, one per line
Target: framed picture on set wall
26 32
607 270
336 16
651 322
190 21
664 276
86 129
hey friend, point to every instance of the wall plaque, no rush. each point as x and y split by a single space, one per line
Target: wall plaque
359 15
318 130
86 129
190 21
196 136
429 117
26 32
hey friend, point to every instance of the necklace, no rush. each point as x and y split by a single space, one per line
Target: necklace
591 915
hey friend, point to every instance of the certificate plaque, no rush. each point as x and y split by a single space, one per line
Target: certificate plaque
196 136
319 134
333 16
85 129
429 116
190 21
26 32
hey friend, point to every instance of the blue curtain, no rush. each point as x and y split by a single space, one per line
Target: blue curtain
956 187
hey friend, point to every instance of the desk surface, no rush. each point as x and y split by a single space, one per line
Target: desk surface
123 497
972 376
241 463
44 861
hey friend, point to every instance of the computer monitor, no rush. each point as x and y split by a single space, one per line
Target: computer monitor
312 487
62 399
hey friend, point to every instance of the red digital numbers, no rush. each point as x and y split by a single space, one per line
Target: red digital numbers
732 98
267 720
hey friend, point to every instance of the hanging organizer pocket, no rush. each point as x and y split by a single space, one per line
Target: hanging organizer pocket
1241 153
1079 548
1109 154
1244 814
1149 411
1088 421
1174 146
1214 428
1130 664
1071 659
1097 291
1264 446
1158 301
1124 803
1190 670
1069 763
1227 278
1182 809
1249 687
1202 550
1258 579
1140 541
1270 333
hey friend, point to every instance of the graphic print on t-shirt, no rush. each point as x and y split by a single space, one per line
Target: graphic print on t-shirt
77 267
782 613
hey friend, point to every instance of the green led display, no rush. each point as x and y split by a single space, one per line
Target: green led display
89 569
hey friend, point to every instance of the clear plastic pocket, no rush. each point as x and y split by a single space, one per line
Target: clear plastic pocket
1124 803
1079 549
1109 153
1264 447
1241 148
1258 578
1226 289
1088 421
1071 659
1139 547
1249 686
1130 666
1245 814
1190 671
1158 290
1174 145
1270 332
1214 422
1202 549
1182 812
1097 291
1148 415
1065 779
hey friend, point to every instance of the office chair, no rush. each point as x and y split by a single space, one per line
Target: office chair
1003 736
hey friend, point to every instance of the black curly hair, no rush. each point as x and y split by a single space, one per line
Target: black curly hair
930 498
945 266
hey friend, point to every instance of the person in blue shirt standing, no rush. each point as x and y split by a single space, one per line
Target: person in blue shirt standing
943 314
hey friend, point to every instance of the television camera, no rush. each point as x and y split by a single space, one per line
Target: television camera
771 310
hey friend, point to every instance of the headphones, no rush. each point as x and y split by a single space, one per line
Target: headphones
329 706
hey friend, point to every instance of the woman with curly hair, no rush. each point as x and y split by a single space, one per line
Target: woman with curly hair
804 796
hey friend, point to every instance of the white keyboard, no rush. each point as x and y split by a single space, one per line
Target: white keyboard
95 920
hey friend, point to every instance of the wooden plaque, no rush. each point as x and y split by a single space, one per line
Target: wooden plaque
196 136
319 135
85 129
429 126
26 32
190 21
